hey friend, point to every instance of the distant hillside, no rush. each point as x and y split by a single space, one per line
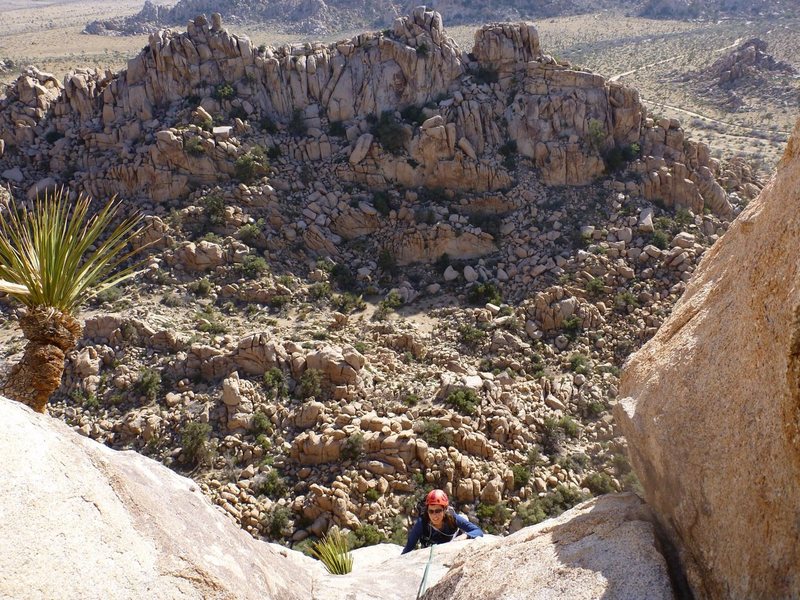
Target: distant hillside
319 17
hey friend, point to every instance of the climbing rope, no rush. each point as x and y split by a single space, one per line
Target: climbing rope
423 585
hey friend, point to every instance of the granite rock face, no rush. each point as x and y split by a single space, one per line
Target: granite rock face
602 548
711 407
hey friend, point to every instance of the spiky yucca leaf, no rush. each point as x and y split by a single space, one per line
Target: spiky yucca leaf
53 256
334 552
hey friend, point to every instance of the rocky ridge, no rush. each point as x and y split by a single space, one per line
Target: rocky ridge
282 184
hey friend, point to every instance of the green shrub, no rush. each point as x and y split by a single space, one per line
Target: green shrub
276 520
464 401
320 291
195 443
569 426
572 326
578 363
201 287
251 165
310 383
391 134
413 114
253 266
598 484
297 124
224 91
343 277
262 423
423 50
625 299
485 75
522 475
595 287
272 485
372 494
482 293
52 136
250 232
269 126
109 295
194 146
660 239
380 201
149 384
337 129
275 383
333 552
353 447
551 436
348 303
492 516
434 434
214 208
470 335
365 535
488 222
387 262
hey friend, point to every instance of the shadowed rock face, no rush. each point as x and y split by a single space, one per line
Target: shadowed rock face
711 405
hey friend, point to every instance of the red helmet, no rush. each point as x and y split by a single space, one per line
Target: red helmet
436 497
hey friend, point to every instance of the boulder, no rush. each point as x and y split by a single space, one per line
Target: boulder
710 405
604 548
139 529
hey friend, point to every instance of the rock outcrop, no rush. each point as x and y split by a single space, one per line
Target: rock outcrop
711 407
140 530
605 548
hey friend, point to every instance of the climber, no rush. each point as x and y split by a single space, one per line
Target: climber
439 523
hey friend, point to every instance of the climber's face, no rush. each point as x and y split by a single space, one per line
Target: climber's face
436 514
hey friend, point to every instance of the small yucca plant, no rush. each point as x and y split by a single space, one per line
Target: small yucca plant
52 260
334 552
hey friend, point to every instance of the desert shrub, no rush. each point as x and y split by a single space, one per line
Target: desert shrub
434 434
659 239
551 505
224 91
261 423
372 494
149 384
195 443
572 326
276 520
493 516
109 295
269 126
365 535
353 447
271 485
423 50
194 146
569 426
297 124
380 200
597 134
595 287
333 552
390 133
53 136
413 114
488 222
208 322
484 292
485 75
253 266
201 287
469 335
464 401
250 232
551 436
509 153
578 363
320 291
347 303
251 165
598 484
213 208
337 129
310 383
343 277
237 112
275 383
522 475
625 299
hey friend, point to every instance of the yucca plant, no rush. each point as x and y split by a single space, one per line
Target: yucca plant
53 259
334 552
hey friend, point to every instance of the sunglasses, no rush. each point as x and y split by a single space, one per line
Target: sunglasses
435 511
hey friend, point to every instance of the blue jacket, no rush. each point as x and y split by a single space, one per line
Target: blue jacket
428 534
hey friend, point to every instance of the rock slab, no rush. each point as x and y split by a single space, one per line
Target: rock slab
711 405
604 548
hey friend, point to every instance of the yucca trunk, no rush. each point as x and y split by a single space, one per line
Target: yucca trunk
51 334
